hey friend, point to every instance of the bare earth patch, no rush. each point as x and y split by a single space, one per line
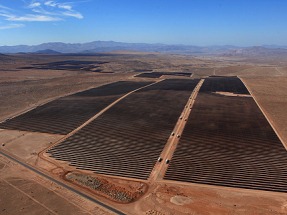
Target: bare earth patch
31 198
26 145
24 192
2 165
271 94
108 188
185 199
232 94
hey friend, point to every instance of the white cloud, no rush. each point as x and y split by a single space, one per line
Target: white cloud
39 11
50 3
60 9
34 4
65 6
73 14
5 14
29 18
33 18
43 12
10 26
5 8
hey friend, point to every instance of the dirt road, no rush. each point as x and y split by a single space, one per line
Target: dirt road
167 153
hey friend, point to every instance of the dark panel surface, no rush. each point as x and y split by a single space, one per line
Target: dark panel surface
68 65
128 138
224 84
228 141
63 115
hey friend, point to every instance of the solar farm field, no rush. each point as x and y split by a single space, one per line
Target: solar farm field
224 84
159 74
228 141
128 138
68 65
63 115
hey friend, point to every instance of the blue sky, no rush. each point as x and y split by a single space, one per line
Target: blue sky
193 22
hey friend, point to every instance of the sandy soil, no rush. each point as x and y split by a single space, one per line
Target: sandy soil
232 94
27 193
25 94
200 199
271 94
23 192
26 145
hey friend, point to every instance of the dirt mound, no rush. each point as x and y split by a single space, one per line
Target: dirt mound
109 189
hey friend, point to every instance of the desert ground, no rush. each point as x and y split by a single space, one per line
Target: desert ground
28 81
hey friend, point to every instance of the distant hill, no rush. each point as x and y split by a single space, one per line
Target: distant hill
47 51
3 57
257 51
6 58
110 46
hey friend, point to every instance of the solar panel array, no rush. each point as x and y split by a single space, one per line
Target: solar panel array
65 114
129 137
228 142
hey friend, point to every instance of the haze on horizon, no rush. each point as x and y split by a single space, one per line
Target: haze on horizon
194 22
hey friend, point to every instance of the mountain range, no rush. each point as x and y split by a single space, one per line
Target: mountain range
109 46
